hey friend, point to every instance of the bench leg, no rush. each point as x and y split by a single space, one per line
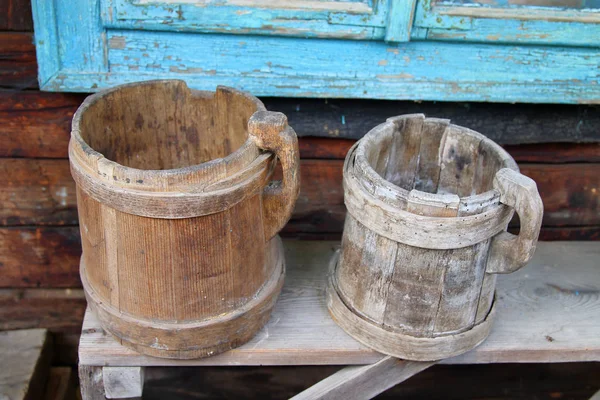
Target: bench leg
365 381
100 383
91 382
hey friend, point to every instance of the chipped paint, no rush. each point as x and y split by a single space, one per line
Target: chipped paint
71 58
116 42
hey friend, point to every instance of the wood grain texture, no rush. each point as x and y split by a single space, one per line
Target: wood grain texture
364 382
40 257
36 124
320 67
16 15
58 310
91 382
18 66
36 192
503 123
561 276
123 382
569 192
179 222
26 356
577 381
411 275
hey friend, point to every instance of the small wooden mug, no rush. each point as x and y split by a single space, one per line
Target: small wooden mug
425 235
179 222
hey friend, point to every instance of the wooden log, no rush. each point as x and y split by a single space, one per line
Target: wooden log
25 356
176 183
415 277
36 192
16 15
58 310
36 124
568 192
18 66
40 257
502 123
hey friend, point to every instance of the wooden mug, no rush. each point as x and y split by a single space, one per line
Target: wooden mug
178 217
425 235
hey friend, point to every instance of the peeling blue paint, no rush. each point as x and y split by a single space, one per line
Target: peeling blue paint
77 51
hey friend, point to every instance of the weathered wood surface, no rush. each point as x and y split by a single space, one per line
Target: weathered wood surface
40 257
154 158
58 310
543 153
37 192
91 382
306 67
363 382
546 313
16 15
493 381
123 382
569 192
36 124
18 66
25 357
428 201
61 384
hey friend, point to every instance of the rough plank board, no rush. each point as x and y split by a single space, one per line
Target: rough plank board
25 357
61 384
570 194
36 192
37 124
360 382
324 68
123 382
16 15
575 381
40 257
18 66
503 123
546 313
58 310
569 233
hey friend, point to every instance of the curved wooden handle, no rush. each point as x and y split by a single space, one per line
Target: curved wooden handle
270 131
510 252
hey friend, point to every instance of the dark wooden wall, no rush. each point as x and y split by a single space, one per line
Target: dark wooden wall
39 238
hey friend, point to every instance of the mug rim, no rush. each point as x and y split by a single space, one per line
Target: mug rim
87 156
400 195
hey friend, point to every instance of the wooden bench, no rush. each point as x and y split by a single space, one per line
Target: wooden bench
547 312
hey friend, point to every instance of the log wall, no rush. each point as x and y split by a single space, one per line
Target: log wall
558 146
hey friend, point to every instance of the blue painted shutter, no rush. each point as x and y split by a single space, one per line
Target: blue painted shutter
348 19
554 22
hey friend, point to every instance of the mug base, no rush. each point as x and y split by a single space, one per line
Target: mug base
401 345
189 340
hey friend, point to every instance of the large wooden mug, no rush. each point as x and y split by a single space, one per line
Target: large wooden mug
425 235
179 219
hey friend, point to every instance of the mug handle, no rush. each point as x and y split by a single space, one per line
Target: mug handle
270 131
510 252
